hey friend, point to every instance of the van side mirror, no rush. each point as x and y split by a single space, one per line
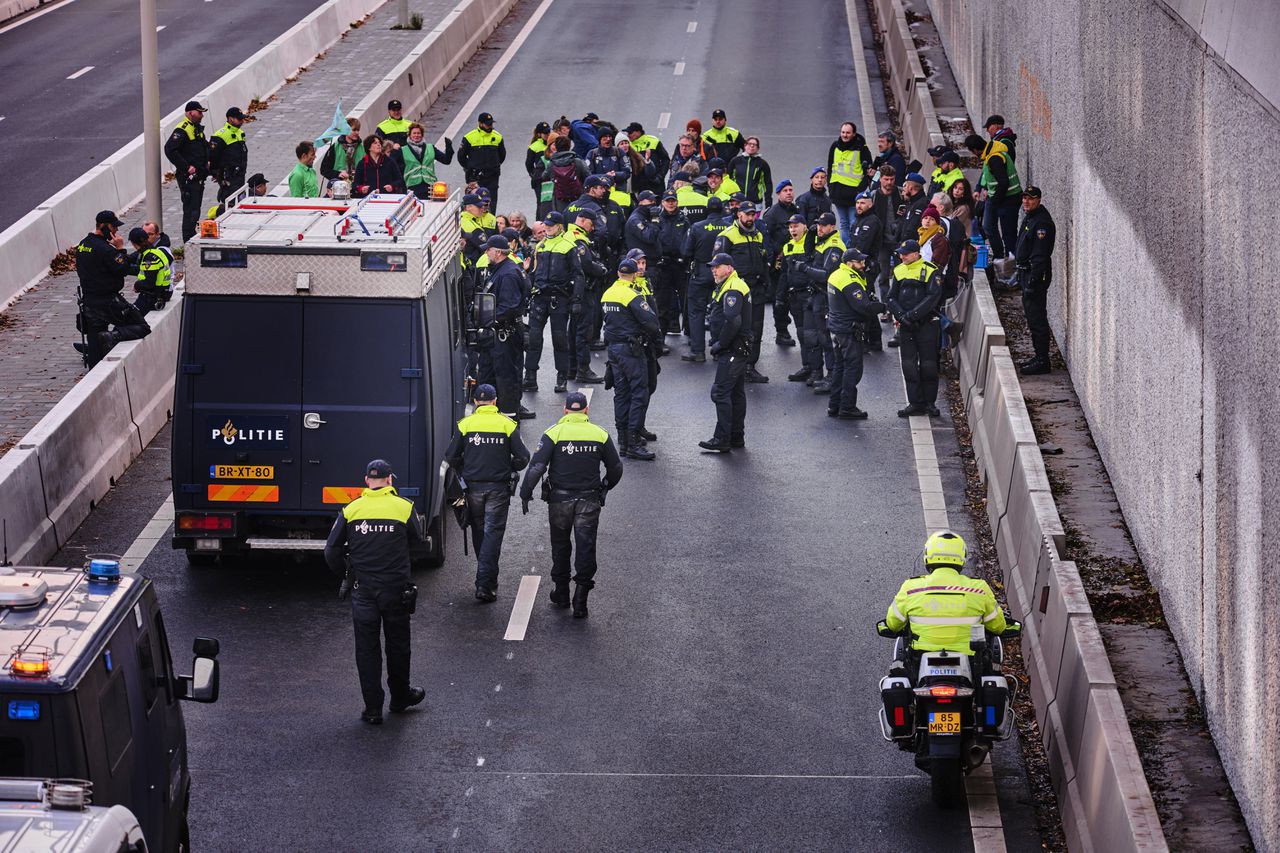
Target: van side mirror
202 685
486 310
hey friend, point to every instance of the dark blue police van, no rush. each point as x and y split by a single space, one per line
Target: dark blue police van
316 334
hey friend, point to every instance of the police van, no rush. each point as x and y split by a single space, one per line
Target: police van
89 692
317 334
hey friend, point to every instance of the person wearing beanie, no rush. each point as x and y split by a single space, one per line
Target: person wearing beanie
1000 187
932 237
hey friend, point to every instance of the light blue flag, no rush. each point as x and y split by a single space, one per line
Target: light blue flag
339 127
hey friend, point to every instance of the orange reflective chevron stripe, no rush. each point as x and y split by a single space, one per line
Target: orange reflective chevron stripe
244 493
341 494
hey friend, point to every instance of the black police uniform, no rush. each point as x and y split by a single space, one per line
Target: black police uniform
813 204
747 249
480 154
817 334
629 324
1034 260
699 247
851 304
866 234
187 147
375 533
101 269
586 295
571 454
913 301
669 271
774 224
641 231
794 282
486 452
557 267
885 207
506 282
228 159
731 325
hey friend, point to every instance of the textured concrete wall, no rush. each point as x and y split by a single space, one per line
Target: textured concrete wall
1153 158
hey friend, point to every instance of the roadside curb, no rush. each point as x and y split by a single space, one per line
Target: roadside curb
907 81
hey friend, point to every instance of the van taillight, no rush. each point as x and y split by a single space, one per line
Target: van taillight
206 522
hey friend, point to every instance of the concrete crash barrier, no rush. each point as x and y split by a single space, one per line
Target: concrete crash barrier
982 331
27 529
119 181
148 371
911 88
1005 424
422 76
10 9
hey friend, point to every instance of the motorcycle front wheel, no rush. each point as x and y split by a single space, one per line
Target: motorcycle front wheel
947 780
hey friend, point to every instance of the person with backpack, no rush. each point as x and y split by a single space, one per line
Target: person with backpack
567 174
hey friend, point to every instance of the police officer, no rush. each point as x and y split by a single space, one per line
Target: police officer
731 326
155 273
774 222
374 534
486 452
481 154
188 151
851 304
913 302
395 127
941 606
229 154
585 288
101 265
641 230
571 454
699 248
669 269
726 142
743 242
629 323
867 233
474 232
827 250
556 269
797 256
652 346
1034 257
506 283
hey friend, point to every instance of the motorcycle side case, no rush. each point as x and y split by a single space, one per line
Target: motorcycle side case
897 695
993 707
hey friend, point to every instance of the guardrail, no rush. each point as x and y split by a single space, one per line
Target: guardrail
119 182
1102 791
907 80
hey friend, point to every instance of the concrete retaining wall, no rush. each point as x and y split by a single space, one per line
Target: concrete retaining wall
1167 318
27 246
908 83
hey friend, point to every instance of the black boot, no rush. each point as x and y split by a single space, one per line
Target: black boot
644 433
530 381
580 601
562 383
560 595
624 442
637 449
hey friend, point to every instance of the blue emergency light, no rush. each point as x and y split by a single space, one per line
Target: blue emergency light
24 709
104 571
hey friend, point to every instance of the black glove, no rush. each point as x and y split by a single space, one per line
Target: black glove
524 506
715 348
575 307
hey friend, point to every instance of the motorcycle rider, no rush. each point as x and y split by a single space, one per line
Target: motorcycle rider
941 606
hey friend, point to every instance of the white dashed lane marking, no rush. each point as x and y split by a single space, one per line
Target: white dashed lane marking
80 73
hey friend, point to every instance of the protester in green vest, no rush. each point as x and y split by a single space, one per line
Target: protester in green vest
303 180
418 159
339 162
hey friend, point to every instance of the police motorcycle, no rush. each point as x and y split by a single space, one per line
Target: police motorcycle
947 707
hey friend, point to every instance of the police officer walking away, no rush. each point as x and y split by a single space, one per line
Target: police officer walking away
101 265
913 301
486 452
851 303
629 324
229 155
571 454
1035 273
374 535
188 151
730 321
481 154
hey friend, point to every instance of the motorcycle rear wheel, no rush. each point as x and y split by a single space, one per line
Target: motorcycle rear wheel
947 782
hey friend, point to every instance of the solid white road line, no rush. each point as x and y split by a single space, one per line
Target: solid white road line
663 120
860 69
81 72
679 69
467 114
917 777
149 538
526 595
29 18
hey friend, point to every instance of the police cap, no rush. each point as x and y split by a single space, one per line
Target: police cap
715 203
635 254
717 171
108 217
938 150
485 392
721 258
393 104
137 235
908 247
553 217
715 163
852 255
471 199
236 112
497 241
646 195
575 401
634 127
256 179
669 196
717 114
826 218
796 219
511 234
1032 192
747 207
483 192
948 156
195 105
485 118
378 469
627 266
738 197
542 127
595 181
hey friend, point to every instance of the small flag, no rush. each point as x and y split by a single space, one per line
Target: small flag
338 127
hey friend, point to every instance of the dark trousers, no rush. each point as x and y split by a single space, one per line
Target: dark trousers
729 394
698 296
230 187
630 386
818 351
578 519
375 610
487 504
919 348
1000 224
757 320
884 274
507 352
490 182
781 307
1035 299
544 308
670 285
847 372
192 194
795 303
579 337
148 302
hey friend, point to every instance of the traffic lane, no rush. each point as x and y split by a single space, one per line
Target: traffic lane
75 124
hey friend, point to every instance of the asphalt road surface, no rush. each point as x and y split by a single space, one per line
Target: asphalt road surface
54 129
723 693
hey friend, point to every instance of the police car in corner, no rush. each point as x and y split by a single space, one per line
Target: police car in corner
88 692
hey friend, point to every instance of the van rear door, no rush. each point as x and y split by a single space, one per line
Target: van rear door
362 368
244 378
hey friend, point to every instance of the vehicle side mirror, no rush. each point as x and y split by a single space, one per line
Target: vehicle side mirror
203 683
486 310
1013 629
883 629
